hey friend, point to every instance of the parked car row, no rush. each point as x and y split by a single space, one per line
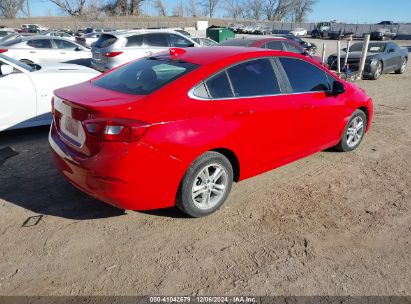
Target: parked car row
381 58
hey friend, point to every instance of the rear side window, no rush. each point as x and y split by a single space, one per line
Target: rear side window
136 40
304 76
274 45
105 40
157 40
144 76
219 86
254 78
40 43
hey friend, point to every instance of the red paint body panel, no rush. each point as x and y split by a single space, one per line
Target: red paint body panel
263 132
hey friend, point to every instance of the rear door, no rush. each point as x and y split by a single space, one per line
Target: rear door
247 98
319 114
42 50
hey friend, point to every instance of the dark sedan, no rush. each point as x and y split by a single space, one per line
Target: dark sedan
382 58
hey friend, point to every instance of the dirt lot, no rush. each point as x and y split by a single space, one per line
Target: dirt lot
330 224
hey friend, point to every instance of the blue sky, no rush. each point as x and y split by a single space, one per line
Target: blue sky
368 11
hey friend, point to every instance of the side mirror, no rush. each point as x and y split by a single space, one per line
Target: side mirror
77 49
344 49
190 45
6 69
338 88
391 51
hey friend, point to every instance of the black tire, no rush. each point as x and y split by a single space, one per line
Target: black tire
375 75
184 199
343 145
401 70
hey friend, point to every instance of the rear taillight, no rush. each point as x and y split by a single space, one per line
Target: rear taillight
3 50
112 54
116 129
52 105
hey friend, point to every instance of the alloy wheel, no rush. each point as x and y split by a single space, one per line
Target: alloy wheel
209 186
355 131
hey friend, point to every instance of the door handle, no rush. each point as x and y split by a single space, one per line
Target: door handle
243 113
33 52
307 106
62 53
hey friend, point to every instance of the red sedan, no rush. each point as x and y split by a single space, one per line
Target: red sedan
270 43
180 127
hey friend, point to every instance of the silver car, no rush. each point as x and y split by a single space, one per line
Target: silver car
117 48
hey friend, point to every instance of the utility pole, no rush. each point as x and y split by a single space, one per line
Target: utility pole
28 8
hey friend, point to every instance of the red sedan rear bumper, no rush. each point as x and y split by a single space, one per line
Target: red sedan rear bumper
126 175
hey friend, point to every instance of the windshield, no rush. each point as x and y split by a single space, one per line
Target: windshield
372 47
18 63
144 76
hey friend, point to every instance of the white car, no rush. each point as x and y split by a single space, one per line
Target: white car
26 93
299 31
44 49
116 48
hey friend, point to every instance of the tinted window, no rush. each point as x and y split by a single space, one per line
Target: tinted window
253 78
303 76
62 44
178 41
218 86
144 76
274 45
105 41
159 40
40 43
292 48
136 40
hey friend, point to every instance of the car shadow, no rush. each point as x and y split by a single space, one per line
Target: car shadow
84 62
30 180
172 212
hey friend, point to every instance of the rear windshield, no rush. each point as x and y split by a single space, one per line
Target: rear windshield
144 76
11 42
105 41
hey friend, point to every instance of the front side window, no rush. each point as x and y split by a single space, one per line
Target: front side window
178 41
62 44
292 48
156 40
40 43
304 76
254 78
144 76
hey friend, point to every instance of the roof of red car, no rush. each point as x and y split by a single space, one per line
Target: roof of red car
209 55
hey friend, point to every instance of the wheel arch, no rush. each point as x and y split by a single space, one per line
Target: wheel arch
232 157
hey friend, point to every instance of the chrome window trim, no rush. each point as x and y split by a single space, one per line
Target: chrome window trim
193 96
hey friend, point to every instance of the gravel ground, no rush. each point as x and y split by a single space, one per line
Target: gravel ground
330 224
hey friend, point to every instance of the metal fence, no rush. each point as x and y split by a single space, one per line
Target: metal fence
403 30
